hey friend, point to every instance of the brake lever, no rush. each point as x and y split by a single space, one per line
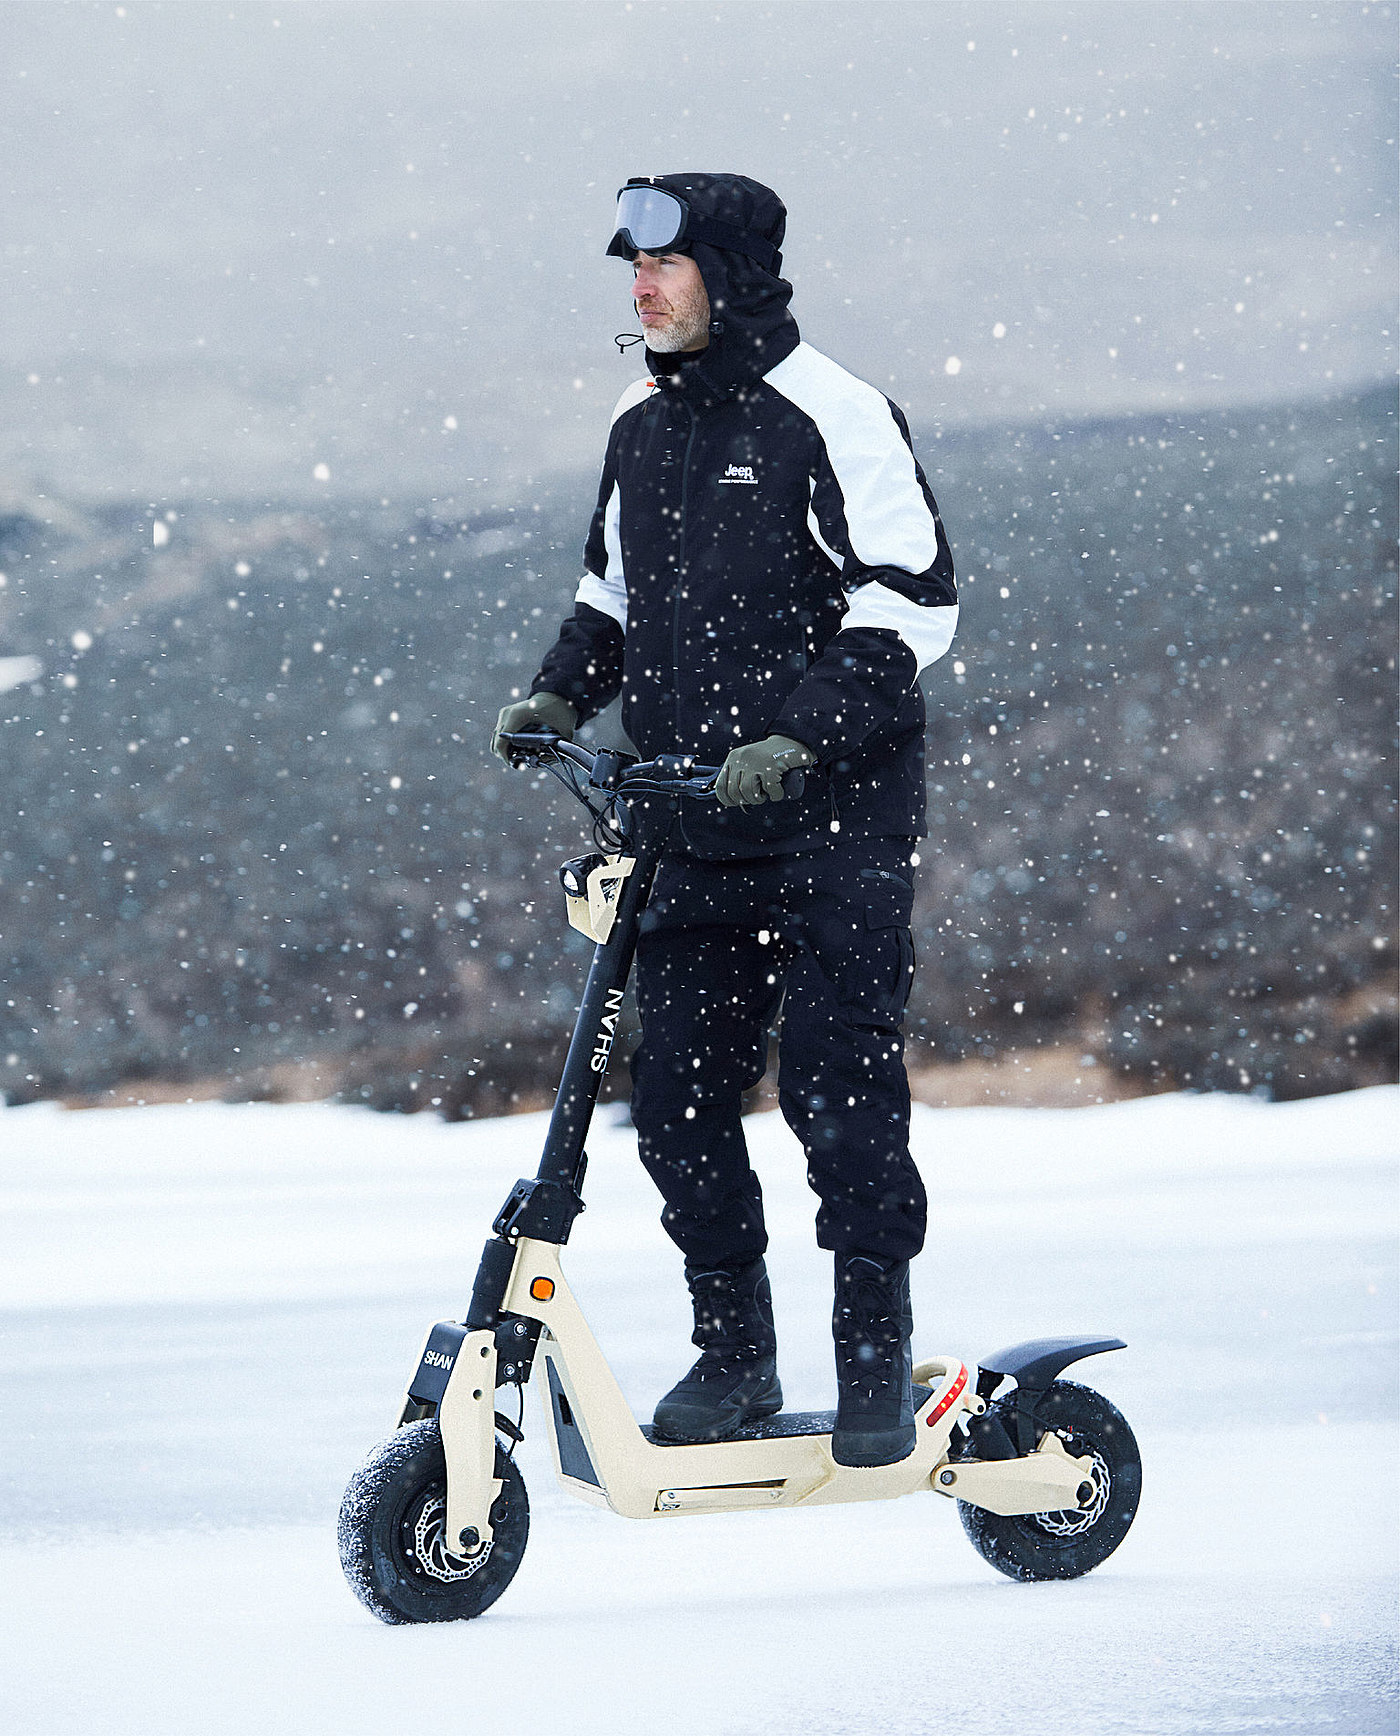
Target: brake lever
541 741
678 787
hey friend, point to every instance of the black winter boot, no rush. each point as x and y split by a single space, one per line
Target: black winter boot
872 1324
736 1378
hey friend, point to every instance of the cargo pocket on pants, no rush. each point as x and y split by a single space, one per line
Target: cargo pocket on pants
891 952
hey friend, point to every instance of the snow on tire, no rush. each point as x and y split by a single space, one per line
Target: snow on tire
1064 1545
393 1536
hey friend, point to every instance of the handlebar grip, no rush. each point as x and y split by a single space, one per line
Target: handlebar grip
532 741
794 783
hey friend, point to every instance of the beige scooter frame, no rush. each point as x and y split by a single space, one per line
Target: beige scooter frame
410 1555
602 1455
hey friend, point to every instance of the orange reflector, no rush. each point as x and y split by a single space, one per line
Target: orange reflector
542 1289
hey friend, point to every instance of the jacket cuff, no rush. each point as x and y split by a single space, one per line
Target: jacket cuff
584 665
853 687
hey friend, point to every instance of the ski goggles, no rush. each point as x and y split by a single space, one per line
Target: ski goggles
652 220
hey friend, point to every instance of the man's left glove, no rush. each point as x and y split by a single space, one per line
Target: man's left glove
539 711
754 774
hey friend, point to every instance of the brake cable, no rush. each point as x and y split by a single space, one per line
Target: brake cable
567 774
609 832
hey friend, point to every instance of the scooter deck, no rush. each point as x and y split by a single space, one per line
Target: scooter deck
783 1426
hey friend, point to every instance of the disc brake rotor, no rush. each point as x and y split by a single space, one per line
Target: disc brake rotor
426 1537
1075 1521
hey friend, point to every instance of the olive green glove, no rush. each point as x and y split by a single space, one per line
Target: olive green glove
539 711
754 774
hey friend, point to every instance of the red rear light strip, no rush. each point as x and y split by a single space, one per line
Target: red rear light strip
953 1392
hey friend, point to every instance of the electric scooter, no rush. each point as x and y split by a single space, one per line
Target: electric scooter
1045 1472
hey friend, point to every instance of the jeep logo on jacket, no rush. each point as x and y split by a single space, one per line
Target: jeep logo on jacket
766 556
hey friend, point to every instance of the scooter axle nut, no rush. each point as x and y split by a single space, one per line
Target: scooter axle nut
947 1478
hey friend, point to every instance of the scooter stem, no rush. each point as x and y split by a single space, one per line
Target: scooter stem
562 1160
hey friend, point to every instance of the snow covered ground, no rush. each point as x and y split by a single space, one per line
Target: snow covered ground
209 1311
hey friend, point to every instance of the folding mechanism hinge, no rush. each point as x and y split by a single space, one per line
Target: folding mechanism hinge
541 1210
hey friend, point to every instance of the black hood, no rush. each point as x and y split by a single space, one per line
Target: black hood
751 329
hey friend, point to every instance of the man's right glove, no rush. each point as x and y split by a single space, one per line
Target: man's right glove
539 711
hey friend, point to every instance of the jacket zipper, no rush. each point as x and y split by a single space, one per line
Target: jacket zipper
684 562
680 580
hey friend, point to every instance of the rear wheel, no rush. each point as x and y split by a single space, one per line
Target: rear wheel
393 1533
1064 1545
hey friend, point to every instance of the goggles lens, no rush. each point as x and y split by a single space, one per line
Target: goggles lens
650 219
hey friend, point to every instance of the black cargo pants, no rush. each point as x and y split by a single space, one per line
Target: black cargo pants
825 934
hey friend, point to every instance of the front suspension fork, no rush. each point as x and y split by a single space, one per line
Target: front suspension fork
458 1373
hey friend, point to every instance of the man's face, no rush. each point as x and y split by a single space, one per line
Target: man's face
669 295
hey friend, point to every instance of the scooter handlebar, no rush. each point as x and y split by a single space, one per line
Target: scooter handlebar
681 772
673 773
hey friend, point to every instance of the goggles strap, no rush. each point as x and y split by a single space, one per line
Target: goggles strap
734 240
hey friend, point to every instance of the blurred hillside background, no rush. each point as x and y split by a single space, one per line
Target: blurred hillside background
306 364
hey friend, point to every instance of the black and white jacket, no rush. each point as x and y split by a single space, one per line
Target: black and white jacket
766 556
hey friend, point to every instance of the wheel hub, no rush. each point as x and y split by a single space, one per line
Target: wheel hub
426 1542
1075 1521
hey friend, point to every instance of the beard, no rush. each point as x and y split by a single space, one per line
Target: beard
688 328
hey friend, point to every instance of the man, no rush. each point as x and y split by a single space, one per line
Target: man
766 574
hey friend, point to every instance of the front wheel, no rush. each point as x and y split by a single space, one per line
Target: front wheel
1064 1545
393 1536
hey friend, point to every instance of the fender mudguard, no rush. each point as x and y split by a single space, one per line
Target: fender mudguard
1033 1366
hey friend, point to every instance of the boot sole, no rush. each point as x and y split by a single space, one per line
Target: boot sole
699 1427
868 1451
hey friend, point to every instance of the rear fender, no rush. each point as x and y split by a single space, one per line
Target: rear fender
1034 1365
